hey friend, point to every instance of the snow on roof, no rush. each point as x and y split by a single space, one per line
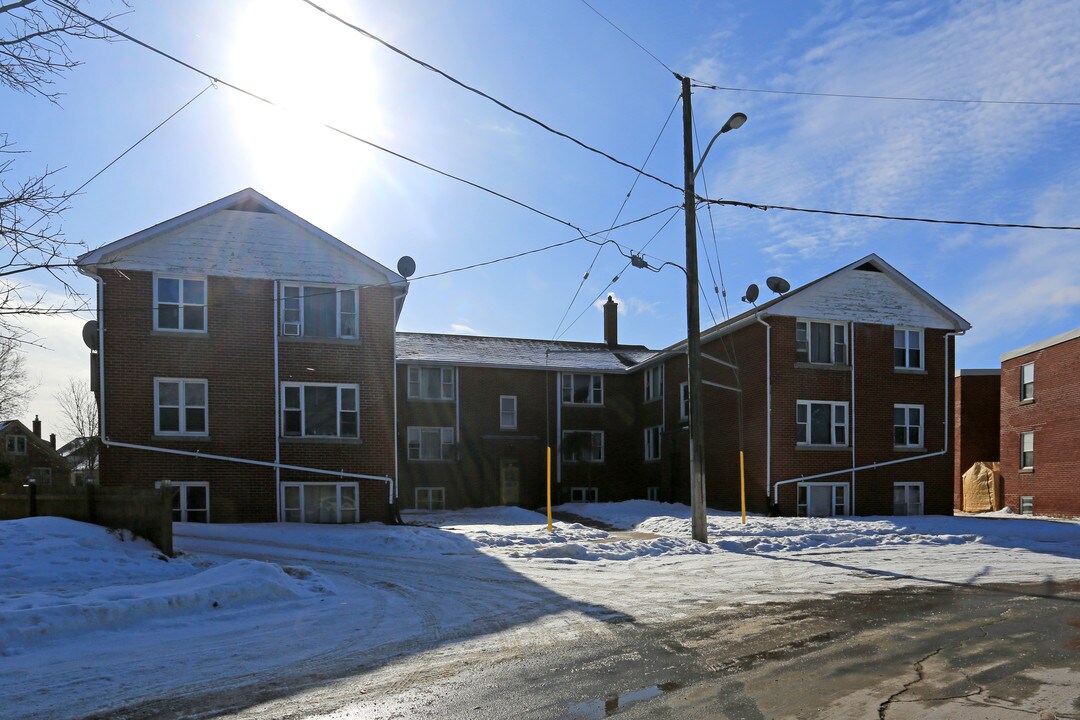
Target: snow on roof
446 349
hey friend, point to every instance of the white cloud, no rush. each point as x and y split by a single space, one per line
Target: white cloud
462 329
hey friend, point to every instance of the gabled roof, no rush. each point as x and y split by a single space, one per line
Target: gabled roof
780 304
129 252
517 353
17 426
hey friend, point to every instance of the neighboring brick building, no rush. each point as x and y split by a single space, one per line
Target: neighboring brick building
247 358
853 369
976 423
1040 426
26 457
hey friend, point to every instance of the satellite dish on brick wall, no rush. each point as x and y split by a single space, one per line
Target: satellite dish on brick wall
406 266
778 285
90 334
751 293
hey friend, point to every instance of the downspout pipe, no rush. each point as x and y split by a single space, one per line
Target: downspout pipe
851 412
277 403
768 405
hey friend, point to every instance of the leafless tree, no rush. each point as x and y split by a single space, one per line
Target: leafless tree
35 50
16 389
80 412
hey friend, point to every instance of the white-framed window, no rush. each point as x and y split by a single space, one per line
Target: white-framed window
180 406
821 423
320 311
191 502
822 499
1027 451
16 444
582 389
584 495
508 412
40 476
430 443
180 303
430 498
1027 505
652 442
821 343
431 383
654 383
1027 381
908 425
908 498
908 348
320 502
320 410
684 401
583 446
653 493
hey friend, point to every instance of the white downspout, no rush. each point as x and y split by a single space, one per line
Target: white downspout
277 405
851 413
768 405
558 428
394 491
948 381
101 363
457 411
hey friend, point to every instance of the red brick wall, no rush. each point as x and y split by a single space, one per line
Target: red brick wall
236 357
976 425
1054 416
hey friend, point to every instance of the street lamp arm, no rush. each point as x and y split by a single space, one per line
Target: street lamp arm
734 123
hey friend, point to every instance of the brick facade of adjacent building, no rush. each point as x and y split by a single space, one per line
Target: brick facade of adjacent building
976 423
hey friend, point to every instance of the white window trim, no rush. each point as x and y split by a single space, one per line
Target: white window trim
338 290
1027 505
654 383
446 443
652 442
1024 382
502 424
833 328
414 382
1032 465
922 496
181 489
183 431
594 433
337 497
684 402
907 348
180 303
13 440
803 507
303 410
567 389
429 490
832 423
907 425
581 494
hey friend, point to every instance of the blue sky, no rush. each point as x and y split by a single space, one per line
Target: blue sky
562 63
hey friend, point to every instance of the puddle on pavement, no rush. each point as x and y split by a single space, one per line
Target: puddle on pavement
613 703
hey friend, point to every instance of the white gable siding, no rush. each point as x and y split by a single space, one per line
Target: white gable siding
861 296
235 243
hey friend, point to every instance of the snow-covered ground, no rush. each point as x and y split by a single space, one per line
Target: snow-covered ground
92 620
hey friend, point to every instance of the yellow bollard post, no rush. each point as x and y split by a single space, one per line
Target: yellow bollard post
742 486
549 486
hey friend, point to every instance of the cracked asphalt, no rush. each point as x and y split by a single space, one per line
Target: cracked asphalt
986 652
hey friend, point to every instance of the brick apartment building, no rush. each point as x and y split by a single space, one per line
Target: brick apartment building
976 423
1040 426
246 357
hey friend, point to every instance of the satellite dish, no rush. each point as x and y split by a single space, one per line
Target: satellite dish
406 266
90 334
778 285
751 293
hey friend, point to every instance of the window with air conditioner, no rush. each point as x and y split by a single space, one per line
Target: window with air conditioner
320 311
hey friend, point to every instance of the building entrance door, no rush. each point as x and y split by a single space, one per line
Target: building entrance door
510 481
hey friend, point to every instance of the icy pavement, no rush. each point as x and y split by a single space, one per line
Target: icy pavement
92 621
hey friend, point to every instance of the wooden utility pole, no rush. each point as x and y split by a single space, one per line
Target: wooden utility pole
698 522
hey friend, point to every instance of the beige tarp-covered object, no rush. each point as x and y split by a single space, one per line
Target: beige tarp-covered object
982 487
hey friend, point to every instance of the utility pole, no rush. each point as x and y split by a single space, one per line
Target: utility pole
698 521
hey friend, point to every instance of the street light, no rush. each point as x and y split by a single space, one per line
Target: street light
698 520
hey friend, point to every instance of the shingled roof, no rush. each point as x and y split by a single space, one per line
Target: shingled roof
446 349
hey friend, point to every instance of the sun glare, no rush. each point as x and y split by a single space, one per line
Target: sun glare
322 73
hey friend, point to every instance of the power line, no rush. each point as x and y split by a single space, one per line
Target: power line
976 223
624 34
960 101
481 93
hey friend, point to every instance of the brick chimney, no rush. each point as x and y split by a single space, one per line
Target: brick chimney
37 426
52 440
611 322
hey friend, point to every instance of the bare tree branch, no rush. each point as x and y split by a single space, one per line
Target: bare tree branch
80 413
16 390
